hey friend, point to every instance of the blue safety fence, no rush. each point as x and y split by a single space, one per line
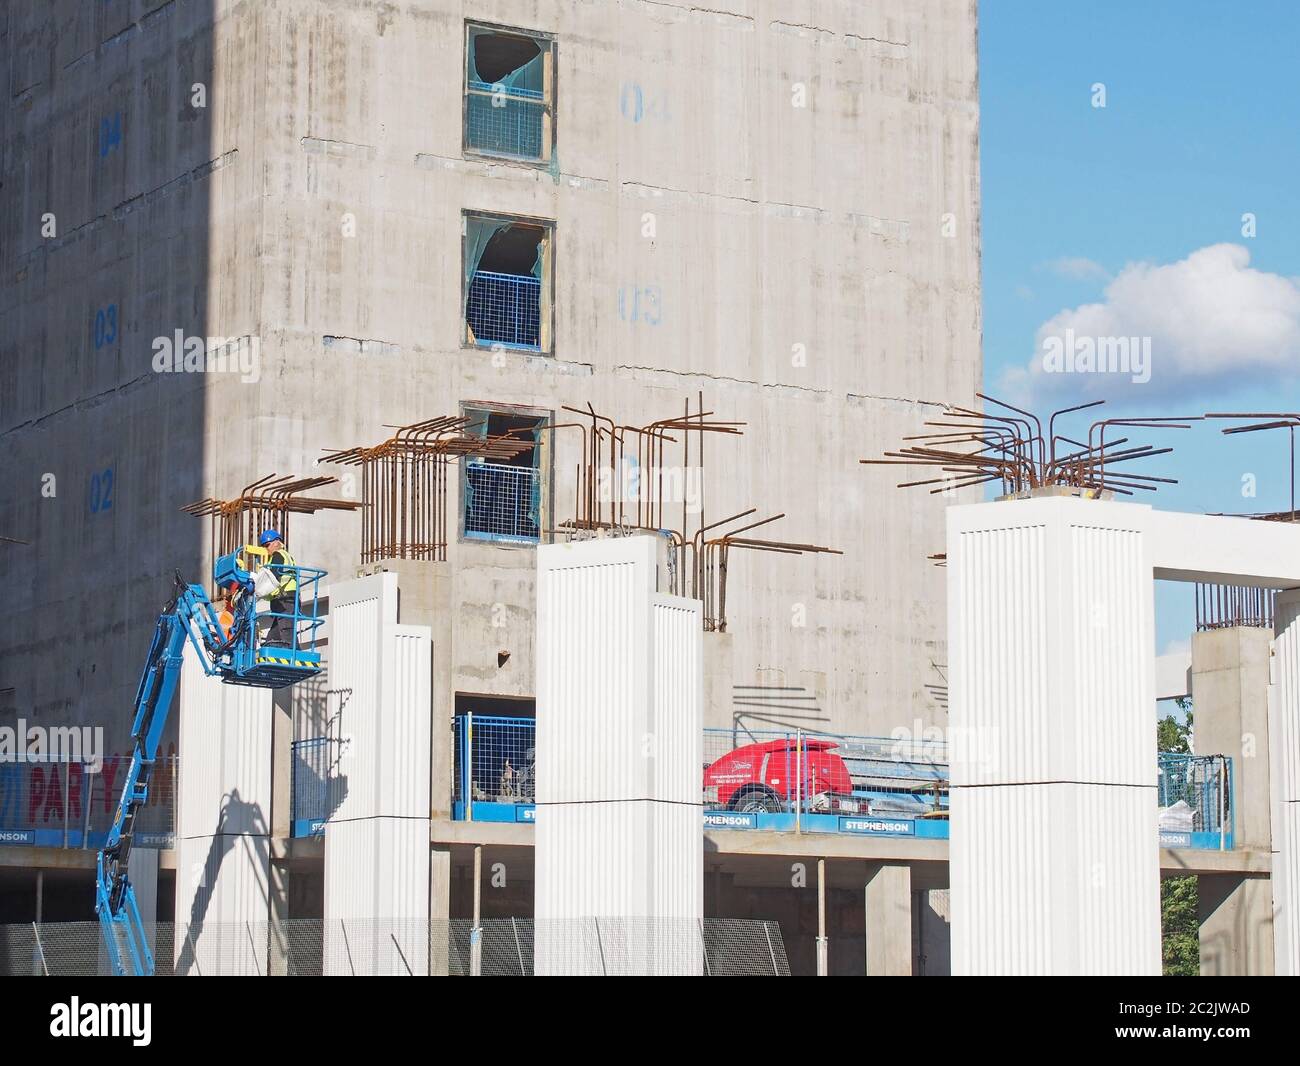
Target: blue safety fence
315 785
815 783
1196 794
68 804
505 121
784 781
505 309
495 769
500 502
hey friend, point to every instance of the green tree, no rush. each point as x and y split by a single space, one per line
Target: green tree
1179 922
1180 927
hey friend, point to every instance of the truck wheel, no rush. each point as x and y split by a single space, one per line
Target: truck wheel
757 801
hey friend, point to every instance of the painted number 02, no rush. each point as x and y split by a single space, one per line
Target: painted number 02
101 491
110 134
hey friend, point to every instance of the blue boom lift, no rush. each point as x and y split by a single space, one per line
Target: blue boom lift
228 644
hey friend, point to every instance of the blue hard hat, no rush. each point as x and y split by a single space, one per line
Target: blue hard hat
267 536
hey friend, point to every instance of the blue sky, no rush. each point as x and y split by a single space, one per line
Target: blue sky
1201 125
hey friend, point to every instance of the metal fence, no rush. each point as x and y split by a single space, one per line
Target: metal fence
1196 800
500 501
71 804
808 782
505 122
1227 606
775 772
500 947
315 784
505 309
495 768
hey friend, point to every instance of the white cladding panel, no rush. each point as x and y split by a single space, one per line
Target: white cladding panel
1284 783
360 610
593 670
619 757
377 897
377 841
677 722
1050 643
1041 885
1053 853
223 825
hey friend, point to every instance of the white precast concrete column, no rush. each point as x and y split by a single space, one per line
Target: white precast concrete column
619 858
223 838
1054 860
1284 775
377 841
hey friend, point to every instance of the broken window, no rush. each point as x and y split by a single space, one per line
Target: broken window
509 94
503 495
507 283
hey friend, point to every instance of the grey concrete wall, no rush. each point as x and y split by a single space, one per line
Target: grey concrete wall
778 230
1230 675
775 226
889 908
1230 678
1236 919
151 228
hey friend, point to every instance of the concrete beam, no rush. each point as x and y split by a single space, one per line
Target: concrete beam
1221 550
1174 676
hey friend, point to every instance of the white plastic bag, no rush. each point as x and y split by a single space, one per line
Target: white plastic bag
266 584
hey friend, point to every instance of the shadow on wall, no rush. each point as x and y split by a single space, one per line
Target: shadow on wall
109 167
238 823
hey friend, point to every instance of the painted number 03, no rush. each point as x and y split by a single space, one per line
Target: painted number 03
106 326
637 304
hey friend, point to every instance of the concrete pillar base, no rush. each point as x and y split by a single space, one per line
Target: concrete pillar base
888 902
1236 916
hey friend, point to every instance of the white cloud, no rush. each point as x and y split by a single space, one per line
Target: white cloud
1077 268
1209 321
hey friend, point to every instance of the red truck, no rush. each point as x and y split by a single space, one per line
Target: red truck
764 778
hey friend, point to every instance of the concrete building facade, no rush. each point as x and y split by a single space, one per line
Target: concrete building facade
771 203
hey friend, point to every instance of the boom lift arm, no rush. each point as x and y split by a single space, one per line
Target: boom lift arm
235 656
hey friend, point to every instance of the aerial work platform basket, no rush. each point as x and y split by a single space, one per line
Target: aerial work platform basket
266 647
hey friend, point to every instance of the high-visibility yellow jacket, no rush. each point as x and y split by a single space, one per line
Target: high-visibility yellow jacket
289 580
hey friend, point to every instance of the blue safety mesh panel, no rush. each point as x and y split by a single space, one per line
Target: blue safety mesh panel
499 501
504 122
505 309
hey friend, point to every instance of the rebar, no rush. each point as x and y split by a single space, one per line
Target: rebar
974 447
404 483
267 503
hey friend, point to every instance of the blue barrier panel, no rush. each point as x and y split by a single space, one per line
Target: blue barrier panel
505 310
507 122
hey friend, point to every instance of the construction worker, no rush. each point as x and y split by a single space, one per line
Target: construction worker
281 633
